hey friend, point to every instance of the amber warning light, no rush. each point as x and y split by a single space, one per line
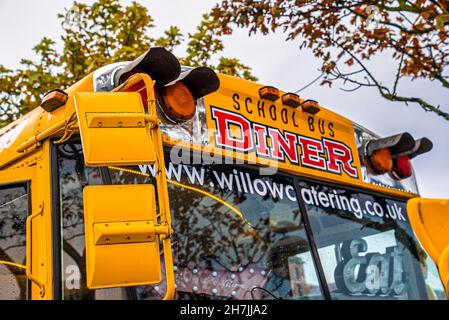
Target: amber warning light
392 154
177 102
178 98
54 99
269 93
291 100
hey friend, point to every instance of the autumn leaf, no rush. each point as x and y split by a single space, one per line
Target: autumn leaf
349 62
414 33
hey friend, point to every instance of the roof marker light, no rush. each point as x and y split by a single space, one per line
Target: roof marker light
269 93
310 106
291 100
54 99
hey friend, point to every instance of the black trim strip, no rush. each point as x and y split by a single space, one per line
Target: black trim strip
105 176
55 223
28 189
21 183
312 243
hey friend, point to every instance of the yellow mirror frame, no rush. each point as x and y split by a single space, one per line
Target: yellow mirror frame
141 229
430 221
113 128
122 248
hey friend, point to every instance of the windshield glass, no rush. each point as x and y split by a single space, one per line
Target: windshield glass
240 235
237 235
367 247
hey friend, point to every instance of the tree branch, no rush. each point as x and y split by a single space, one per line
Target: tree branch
386 93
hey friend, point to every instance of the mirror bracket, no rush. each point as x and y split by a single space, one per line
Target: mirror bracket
126 251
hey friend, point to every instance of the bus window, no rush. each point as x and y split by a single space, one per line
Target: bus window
73 176
13 213
367 247
236 235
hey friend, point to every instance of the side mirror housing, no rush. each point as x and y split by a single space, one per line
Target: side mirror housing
122 230
430 221
113 129
122 247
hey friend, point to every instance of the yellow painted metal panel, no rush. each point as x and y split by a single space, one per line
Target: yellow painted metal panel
120 264
430 221
309 140
38 232
114 142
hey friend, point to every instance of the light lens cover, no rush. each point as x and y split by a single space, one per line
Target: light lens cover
310 106
269 93
291 100
402 167
380 161
177 102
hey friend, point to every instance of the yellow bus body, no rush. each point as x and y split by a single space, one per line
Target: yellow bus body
25 154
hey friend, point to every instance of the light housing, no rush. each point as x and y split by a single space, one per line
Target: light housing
392 154
310 106
291 100
54 99
161 65
402 166
269 93
177 99
201 81
422 145
378 154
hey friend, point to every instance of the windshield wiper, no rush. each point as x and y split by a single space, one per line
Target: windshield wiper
265 290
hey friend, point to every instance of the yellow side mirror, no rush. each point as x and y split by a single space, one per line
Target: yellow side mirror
430 222
122 232
122 245
113 128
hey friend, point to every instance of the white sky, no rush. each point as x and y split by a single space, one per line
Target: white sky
275 62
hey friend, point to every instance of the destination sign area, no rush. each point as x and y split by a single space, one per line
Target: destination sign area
264 131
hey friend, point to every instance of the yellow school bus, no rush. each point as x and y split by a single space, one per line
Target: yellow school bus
150 180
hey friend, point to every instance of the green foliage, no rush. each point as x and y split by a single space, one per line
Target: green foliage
96 35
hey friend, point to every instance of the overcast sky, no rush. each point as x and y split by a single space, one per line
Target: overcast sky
275 62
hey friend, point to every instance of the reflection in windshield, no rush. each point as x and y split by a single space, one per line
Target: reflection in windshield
237 235
13 214
367 247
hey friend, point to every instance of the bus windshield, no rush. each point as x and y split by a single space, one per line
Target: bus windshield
236 235
240 235
367 247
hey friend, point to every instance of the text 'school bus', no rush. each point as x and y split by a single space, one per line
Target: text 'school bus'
148 180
